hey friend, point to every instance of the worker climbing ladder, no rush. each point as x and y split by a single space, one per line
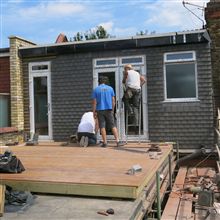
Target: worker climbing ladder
130 121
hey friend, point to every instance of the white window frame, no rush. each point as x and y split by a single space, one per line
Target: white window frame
39 64
133 64
105 65
180 61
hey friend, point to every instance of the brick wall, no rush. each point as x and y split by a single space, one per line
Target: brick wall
16 78
212 15
4 75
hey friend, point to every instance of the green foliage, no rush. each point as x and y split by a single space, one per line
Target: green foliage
98 33
146 32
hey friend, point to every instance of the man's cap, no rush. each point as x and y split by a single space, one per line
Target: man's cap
128 66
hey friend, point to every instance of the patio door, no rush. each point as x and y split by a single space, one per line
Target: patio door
114 81
40 100
113 68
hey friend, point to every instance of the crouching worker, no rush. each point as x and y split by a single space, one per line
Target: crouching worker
87 129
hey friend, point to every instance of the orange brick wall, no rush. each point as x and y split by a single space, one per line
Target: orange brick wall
4 75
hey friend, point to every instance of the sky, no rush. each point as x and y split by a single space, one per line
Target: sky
41 21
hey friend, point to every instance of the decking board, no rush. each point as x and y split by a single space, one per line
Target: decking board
84 171
173 204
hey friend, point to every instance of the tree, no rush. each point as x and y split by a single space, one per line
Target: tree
78 37
140 33
98 33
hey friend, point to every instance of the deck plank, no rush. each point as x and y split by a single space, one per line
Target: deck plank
2 199
92 171
173 203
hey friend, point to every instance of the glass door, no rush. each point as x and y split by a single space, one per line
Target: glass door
114 82
113 68
132 130
40 103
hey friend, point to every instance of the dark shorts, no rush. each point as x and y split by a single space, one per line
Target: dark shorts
106 119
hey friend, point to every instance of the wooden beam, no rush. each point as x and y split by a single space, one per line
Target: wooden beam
173 203
74 189
152 173
185 207
2 199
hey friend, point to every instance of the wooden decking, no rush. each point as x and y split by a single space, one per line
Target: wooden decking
91 171
182 203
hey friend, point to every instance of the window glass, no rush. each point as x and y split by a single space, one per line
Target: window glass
180 56
180 80
40 67
132 60
105 62
4 111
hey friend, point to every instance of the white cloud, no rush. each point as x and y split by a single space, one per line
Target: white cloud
51 9
107 25
172 14
124 32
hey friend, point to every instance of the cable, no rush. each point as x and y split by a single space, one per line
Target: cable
202 8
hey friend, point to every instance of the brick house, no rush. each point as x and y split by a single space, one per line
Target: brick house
177 101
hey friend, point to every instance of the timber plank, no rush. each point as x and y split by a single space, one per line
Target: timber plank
185 207
92 171
2 199
172 206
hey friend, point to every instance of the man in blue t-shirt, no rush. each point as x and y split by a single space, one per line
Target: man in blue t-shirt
103 107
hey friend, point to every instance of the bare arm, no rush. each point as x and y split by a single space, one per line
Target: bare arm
125 77
94 107
142 79
113 103
96 125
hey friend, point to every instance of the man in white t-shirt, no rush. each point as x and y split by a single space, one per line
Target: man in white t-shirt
87 129
133 82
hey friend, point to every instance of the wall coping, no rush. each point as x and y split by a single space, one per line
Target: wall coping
8 130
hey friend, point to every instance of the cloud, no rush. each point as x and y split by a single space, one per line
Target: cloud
172 14
124 32
107 25
51 9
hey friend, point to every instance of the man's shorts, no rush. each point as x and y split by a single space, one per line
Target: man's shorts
106 119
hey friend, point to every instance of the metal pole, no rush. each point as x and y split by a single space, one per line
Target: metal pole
139 123
170 172
177 152
158 196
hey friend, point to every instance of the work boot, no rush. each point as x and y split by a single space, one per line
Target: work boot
86 142
104 145
82 140
119 144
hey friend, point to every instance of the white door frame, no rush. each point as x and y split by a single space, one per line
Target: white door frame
32 75
117 97
117 67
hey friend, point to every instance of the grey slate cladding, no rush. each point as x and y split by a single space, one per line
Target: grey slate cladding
190 123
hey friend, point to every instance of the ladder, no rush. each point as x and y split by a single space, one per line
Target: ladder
130 117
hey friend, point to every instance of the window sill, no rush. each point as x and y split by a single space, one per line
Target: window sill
181 101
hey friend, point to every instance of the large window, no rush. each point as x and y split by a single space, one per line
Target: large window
4 111
180 76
